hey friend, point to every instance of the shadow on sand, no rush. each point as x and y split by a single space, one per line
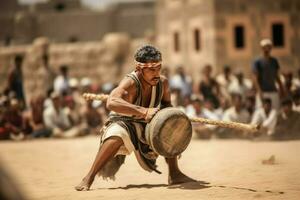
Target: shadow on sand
248 189
188 186
198 185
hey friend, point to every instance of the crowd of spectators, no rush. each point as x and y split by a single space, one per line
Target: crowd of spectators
269 98
61 112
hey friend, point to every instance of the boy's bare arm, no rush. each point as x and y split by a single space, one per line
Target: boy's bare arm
121 100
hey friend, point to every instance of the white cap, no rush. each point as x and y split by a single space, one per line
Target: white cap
73 82
85 81
96 104
265 42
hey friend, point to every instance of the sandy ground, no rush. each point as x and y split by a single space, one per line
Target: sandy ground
49 169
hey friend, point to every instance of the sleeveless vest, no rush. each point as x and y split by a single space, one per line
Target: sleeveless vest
135 127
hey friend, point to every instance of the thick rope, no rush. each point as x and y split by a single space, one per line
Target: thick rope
220 123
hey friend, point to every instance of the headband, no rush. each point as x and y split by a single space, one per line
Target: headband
148 65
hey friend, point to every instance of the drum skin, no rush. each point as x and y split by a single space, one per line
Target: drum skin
169 132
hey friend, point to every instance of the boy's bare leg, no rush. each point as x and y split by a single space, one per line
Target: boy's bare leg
175 175
107 151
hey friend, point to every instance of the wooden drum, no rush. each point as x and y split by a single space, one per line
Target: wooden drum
169 132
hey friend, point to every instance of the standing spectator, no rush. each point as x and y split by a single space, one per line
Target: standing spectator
266 75
266 117
208 86
224 80
61 82
46 75
15 80
182 82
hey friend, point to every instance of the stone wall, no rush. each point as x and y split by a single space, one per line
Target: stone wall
102 61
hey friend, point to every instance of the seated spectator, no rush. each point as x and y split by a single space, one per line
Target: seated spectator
36 119
240 85
224 105
288 83
296 99
236 113
14 122
208 86
287 126
176 99
75 92
75 117
4 132
250 105
224 80
56 118
93 117
296 81
181 81
266 117
195 110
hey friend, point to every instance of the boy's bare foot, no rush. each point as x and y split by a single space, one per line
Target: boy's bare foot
85 184
178 178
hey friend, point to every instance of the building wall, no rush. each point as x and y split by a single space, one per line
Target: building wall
184 18
73 22
216 20
257 18
64 27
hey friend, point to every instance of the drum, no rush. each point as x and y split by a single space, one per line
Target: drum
169 132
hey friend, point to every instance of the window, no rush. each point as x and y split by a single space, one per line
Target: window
59 7
239 36
197 44
176 42
278 34
73 39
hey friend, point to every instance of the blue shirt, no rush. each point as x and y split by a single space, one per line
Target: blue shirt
267 72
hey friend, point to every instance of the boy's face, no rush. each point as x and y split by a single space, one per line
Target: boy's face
151 72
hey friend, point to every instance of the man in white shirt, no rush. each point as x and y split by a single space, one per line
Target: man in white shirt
195 110
224 80
236 113
55 117
240 85
182 82
61 82
266 116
